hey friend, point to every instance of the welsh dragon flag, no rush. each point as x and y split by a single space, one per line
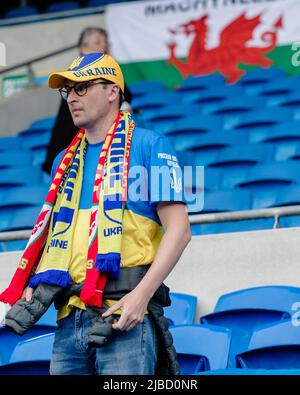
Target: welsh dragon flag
171 40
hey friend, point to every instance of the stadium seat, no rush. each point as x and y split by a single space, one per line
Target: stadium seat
48 319
193 124
275 346
23 218
258 120
266 180
35 349
23 196
234 105
10 143
15 159
201 347
37 141
201 83
154 101
26 368
63 6
182 310
260 76
274 89
20 12
283 132
292 102
9 341
143 87
243 156
209 181
225 201
215 94
171 113
244 310
208 143
18 177
43 123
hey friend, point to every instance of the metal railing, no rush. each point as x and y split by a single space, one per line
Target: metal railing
28 63
197 219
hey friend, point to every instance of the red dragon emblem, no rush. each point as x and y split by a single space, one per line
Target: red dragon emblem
231 51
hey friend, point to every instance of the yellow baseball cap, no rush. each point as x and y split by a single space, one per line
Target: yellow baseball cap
89 67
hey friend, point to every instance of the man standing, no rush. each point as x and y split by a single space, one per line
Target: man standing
106 227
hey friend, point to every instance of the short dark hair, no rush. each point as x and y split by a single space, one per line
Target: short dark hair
121 96
88 31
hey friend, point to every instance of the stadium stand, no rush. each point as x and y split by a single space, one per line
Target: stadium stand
201 347
182 310
274 346
246 310
250 152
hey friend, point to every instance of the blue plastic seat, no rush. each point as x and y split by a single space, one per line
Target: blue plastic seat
43 123
14 245
10 143
182 310
209 180
35 349
193 124
22 218
26 368
9 341
274 89
206 142
201 347
235 105
259 120
275 346
266 180
290 100
21 12
63 6
154 100
171 113
260 76
201 83
226 201
244 310
283 132
15 159
18 177
36 141
23 196
143 87
243 156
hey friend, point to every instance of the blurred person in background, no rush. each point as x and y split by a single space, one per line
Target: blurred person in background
91 40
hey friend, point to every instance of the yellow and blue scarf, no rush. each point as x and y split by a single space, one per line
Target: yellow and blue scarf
48 251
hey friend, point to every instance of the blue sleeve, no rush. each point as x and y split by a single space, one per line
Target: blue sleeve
55 164
164 173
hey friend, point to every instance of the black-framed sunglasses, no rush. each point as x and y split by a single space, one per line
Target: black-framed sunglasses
81 88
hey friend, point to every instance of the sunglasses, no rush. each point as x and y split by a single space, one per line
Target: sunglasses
80 88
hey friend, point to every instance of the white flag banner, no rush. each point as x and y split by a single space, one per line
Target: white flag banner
141 31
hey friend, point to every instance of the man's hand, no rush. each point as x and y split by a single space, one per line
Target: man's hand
133 307
27 294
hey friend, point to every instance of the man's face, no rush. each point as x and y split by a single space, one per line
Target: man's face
95 104
96 42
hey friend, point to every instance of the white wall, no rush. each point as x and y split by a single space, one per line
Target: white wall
216 264
24 42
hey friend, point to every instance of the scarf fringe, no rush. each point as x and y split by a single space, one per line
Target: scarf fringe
53 277
109 263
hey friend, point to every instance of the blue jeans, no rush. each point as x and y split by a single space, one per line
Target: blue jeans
127 353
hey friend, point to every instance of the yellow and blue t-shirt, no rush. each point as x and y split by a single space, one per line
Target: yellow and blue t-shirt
154 176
